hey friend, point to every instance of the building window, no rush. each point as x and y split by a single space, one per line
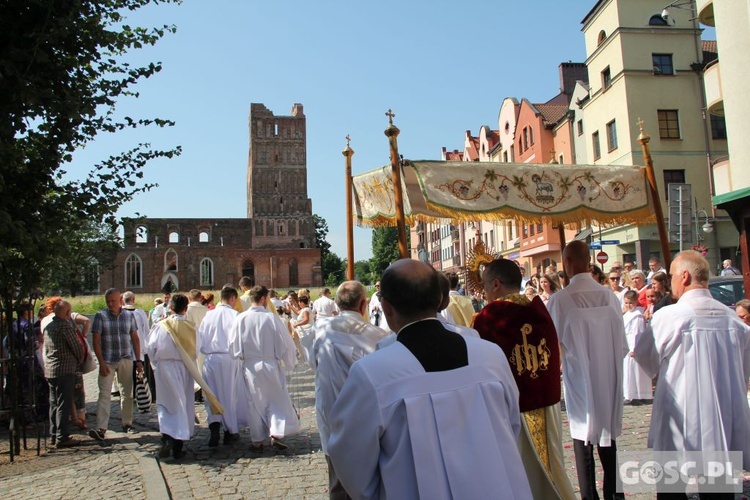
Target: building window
174 237
531 136
580 126
669 124
141 234
612 135
525 229
203 237
525 138
662 64
531 230
672 177
207 272
595 143
601 38
133 271
539 228
606 78
248 269
170 260
718 127
657 20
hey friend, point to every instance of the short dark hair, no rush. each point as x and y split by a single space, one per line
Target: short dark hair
258 292
452 279
409 295
228 292
246 281
506 271
178 303
630 295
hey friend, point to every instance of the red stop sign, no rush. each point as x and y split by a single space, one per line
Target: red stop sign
602 257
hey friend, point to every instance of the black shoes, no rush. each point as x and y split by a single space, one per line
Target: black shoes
230 438
97 434
129 429
213 441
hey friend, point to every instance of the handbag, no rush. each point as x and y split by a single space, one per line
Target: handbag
89 363
142 393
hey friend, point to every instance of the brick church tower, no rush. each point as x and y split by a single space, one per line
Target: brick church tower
277 199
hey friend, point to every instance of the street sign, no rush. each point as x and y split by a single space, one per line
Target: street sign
597 245
602 257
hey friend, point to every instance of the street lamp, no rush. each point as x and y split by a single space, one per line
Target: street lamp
708 228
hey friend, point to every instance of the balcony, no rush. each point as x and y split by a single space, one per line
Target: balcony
714 97
706 12
722 175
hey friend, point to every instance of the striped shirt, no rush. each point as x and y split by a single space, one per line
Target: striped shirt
62 349
116 331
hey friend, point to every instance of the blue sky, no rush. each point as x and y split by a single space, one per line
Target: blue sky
443 67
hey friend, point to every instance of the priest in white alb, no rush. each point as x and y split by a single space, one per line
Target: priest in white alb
588 320
172 350
433 415
339 342
221 371
700 350
260 340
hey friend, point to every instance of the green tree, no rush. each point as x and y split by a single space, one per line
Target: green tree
335 268
362 272
329 261
62 73
91 249
384 248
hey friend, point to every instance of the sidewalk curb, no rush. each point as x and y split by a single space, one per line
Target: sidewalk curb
153 480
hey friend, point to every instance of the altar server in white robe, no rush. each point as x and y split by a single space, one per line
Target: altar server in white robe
222 372
339 342
588 319
636 384
377 317
260 340
174 383
701 351
434 415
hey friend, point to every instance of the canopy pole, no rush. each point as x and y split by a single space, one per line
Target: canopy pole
348 153
398 197
644 139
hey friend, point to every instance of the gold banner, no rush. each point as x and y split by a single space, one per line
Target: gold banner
534 192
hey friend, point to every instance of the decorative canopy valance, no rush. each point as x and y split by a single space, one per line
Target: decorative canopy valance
533 192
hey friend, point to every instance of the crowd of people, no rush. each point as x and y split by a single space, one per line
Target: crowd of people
417 381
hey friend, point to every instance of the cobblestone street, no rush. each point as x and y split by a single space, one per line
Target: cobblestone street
127 467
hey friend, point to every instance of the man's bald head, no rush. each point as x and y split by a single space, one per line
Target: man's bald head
411 288
576 258
350 295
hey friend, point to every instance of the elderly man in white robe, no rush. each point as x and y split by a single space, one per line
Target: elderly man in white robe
701 351
172 350
222 373
339 342
588 320
260 340
433 415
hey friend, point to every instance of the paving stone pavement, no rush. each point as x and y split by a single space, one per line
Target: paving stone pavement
127 467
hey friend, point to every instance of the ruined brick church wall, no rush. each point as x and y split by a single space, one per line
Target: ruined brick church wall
275 243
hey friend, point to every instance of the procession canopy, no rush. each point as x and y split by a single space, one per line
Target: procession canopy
530 192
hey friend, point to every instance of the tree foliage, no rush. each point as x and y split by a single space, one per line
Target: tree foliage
384 249
91 249
362 272
62 73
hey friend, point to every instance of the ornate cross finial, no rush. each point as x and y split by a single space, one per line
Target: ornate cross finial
347 140
640 123
552 155
390 114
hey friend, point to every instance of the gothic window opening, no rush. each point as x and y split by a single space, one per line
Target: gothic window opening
248 269
174 237
133 271
170 260
207 272
203 237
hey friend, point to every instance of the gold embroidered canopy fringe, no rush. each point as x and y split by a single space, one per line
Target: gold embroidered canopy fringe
543 193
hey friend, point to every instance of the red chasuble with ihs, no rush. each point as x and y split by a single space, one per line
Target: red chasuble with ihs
526 334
